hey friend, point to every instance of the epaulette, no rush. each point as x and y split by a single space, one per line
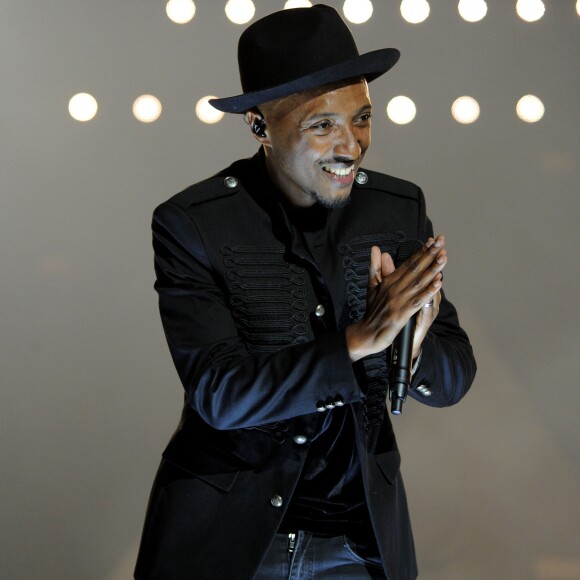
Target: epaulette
211 189
367 179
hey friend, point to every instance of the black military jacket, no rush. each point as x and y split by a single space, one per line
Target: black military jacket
255 321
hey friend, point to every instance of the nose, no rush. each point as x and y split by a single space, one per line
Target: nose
348 143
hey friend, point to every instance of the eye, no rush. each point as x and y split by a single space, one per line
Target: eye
322 126
365 118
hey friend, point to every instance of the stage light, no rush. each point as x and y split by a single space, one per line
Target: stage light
530 10
297 4
82 107
401 110
147 108
357 11
180 11
206 113
472 10
415 11
578 7
465 110
530 109
240 11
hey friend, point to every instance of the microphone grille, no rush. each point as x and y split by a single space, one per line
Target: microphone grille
405 250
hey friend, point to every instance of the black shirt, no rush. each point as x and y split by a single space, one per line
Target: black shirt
329 498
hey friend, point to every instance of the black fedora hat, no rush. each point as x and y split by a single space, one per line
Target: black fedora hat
299 49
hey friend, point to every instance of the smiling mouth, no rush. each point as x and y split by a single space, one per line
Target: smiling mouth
340 172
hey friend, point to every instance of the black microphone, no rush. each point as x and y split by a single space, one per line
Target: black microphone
402 347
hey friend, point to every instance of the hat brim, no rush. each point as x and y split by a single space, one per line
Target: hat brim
371 65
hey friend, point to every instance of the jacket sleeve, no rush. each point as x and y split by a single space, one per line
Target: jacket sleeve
225 384
447 367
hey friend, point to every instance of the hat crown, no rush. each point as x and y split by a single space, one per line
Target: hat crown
290 44
295 50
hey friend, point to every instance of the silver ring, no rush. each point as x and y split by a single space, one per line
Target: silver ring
429 304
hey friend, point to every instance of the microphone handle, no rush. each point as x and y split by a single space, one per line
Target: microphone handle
401 365
402 348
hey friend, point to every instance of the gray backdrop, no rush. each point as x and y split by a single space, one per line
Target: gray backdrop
89 393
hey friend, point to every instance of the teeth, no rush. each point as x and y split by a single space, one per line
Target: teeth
340 171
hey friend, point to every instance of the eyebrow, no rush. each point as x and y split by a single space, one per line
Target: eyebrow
328 114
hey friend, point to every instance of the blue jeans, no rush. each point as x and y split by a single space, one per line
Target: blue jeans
306 557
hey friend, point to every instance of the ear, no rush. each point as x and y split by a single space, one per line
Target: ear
255 120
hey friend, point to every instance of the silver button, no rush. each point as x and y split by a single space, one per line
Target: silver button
361 177
339 401
320 407
276 501
231 182
300 439
329 405
424 390
320 310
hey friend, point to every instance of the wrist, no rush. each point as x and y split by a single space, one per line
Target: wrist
355 343
416 362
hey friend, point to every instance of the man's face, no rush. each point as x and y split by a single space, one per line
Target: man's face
316 140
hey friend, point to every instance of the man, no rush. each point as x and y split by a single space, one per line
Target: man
280 302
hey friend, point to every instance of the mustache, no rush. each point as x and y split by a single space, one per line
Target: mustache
339 160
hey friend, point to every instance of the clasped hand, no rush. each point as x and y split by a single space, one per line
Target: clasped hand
396 294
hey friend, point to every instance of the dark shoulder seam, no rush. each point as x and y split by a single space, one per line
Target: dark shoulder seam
210 189
389 184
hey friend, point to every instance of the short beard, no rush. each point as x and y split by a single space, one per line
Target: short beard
329 203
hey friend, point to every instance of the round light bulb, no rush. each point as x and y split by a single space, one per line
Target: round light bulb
472 10
401 110
530 109
180 11
206 113
147 108
465 110
240 11
357 11
415 11
530 10
297 4
83 107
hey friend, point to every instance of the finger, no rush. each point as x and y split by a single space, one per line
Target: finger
429 299
431 307
437 298
425 318
419 281
433 247
408 272
375 273
387 264
422 268
439 241
416 299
